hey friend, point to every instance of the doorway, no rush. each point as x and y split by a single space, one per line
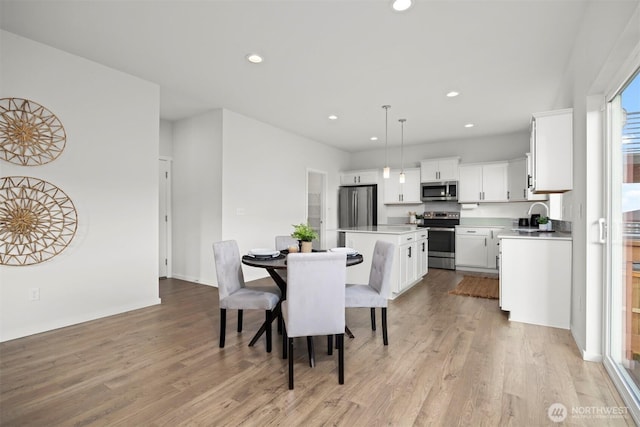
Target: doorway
316 202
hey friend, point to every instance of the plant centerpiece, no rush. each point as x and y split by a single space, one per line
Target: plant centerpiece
305 235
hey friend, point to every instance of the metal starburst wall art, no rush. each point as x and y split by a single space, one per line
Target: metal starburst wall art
37 220
30 134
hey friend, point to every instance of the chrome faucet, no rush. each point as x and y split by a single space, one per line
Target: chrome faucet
538 203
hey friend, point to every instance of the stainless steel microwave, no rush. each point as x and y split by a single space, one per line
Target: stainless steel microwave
439 191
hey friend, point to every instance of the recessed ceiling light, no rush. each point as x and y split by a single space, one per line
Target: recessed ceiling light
452 94
469 125
333 117
374 138
402 5
254 58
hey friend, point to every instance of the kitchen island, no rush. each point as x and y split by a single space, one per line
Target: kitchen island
410 261
535 277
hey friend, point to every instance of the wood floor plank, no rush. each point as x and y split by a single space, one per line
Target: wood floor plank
451 360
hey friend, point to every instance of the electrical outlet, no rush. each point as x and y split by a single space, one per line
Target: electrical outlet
34 294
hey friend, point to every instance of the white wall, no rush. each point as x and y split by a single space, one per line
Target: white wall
108 169
264 182
197 195
471 150
237 178
166 138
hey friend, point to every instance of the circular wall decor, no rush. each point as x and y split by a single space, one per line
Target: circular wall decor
37 220
30 135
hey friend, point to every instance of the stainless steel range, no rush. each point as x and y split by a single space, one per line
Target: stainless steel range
442 238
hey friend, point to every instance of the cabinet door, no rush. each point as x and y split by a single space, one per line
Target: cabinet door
422 254
411 187
409 192
529 181
368 177
470 183
493 248
517 180
392 188
408 256
471 250
552 151
359 177
448 169
429 171
348 178
494 182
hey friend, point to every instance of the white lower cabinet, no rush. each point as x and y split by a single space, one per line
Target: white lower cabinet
410 259
535 280
422 253
477 248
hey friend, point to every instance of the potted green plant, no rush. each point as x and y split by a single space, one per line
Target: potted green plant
543 223
305 234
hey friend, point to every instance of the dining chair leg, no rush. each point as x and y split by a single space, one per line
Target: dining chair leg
223 325
373 318
340 339
329 345
267 319
285 341
290 340
239 320
312 353
385 338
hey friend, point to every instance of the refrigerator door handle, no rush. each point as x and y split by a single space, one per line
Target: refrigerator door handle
354 197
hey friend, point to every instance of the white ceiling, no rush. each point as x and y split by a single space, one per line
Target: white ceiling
506 58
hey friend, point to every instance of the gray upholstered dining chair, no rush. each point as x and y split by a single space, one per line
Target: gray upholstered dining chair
235 295
283 242
315 302
376 293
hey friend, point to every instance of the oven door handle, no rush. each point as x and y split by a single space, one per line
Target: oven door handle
441 229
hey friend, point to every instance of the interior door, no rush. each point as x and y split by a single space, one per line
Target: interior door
316 190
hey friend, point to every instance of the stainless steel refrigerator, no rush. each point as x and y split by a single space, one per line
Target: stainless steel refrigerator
357 207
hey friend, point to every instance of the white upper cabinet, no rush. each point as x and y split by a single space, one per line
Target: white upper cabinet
406 193
518 178
552 151
362 177
444 169
483 182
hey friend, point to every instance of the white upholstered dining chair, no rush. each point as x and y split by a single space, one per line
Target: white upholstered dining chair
376 293
235 295
315 302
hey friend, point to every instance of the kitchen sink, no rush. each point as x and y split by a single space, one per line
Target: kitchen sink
531 230
527 229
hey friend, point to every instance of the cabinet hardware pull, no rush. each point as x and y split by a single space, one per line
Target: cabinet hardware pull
485 241
409 251
524 193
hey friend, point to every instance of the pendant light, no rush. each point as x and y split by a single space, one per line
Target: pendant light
386 172
402 177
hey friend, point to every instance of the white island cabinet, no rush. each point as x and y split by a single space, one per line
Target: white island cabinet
535 278
410 257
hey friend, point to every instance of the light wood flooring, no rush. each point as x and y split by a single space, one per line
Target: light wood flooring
451 360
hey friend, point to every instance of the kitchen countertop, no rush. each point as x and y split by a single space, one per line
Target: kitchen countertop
383 229
554 235
483 226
